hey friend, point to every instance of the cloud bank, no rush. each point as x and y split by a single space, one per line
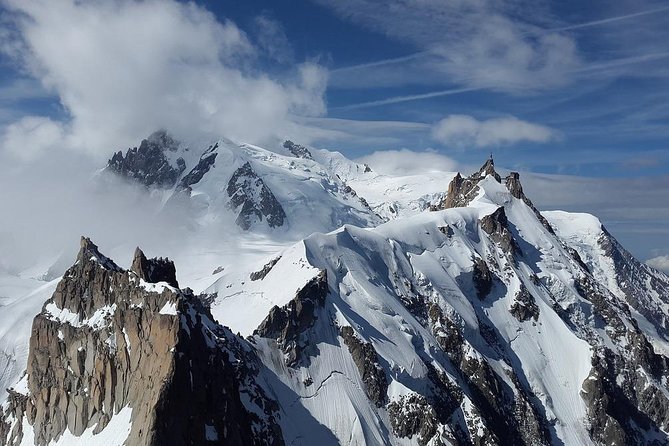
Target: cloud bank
660 262
408 162
121 69
466 131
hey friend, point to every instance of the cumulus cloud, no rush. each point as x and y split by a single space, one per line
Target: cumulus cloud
30 136
408 162
660 262
122 69
466 131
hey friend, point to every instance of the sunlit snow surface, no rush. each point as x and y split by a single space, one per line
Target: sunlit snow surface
363 267
367 269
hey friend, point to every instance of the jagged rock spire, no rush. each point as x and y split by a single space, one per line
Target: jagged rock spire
89 251
154 270
489 169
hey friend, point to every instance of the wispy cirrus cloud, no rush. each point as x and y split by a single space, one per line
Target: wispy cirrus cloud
479 44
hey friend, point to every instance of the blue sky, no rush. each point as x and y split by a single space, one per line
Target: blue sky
601 89
567 88
609 110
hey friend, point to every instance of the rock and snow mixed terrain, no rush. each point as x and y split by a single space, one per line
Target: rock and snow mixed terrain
368 309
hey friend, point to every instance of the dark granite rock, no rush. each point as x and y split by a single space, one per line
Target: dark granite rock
205 163
496 226
255 201
288 324
412 415
524 307
297 150
154 270
367 361
482 278
148 164
259 275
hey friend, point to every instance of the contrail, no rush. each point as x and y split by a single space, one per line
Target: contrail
413 56
623 61
413 97
609 20
379 63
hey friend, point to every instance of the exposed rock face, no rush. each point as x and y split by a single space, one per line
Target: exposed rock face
623 408
482 278
297 150
259 275
149 164
634 279
205 163
524 307
367 361
105 342
413 415
257 202
154 270
287 324
462 190
513 184
496 226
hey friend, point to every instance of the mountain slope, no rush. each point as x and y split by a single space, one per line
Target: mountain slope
294 195
482 321
480 291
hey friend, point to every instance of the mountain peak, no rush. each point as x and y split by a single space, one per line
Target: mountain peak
154 270
488 168
89 252
153 163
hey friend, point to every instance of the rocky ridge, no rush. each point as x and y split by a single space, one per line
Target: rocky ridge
111 339
151 163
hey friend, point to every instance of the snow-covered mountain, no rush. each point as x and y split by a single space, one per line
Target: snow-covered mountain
286 190
461 316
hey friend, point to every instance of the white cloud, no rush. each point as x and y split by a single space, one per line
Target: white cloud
122 69
408 162
466 131
272 38
30 136
660 262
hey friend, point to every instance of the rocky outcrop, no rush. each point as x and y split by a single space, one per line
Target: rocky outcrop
297 150
638 283
482 278
462 190
255 201
412 415
288 324
496 225
108 340
524 307
259 275
154 270
623 407
205 163
367 361
150 164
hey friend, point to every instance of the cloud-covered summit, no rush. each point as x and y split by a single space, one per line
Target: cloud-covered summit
121 69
